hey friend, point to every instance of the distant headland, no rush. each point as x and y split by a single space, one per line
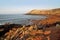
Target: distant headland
55 11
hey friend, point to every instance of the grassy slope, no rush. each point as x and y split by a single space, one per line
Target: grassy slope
45 12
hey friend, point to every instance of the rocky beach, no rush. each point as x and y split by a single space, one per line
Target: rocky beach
45 29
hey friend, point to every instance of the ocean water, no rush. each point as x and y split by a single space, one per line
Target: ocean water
19 18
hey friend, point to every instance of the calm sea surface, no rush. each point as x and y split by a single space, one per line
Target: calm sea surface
18 18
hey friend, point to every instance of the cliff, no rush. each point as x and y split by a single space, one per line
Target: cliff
45 12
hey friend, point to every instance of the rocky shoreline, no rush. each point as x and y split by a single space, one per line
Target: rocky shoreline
46 29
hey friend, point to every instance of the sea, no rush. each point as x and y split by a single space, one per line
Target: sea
19 18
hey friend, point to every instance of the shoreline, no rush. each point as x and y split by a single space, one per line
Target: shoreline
45 28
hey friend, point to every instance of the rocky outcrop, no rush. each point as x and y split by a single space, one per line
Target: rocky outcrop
45 12
31 33
51 20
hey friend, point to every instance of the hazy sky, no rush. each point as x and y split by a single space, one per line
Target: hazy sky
21 6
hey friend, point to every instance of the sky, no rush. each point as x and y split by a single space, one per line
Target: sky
23 6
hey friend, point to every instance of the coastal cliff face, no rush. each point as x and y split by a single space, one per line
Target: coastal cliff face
45 12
